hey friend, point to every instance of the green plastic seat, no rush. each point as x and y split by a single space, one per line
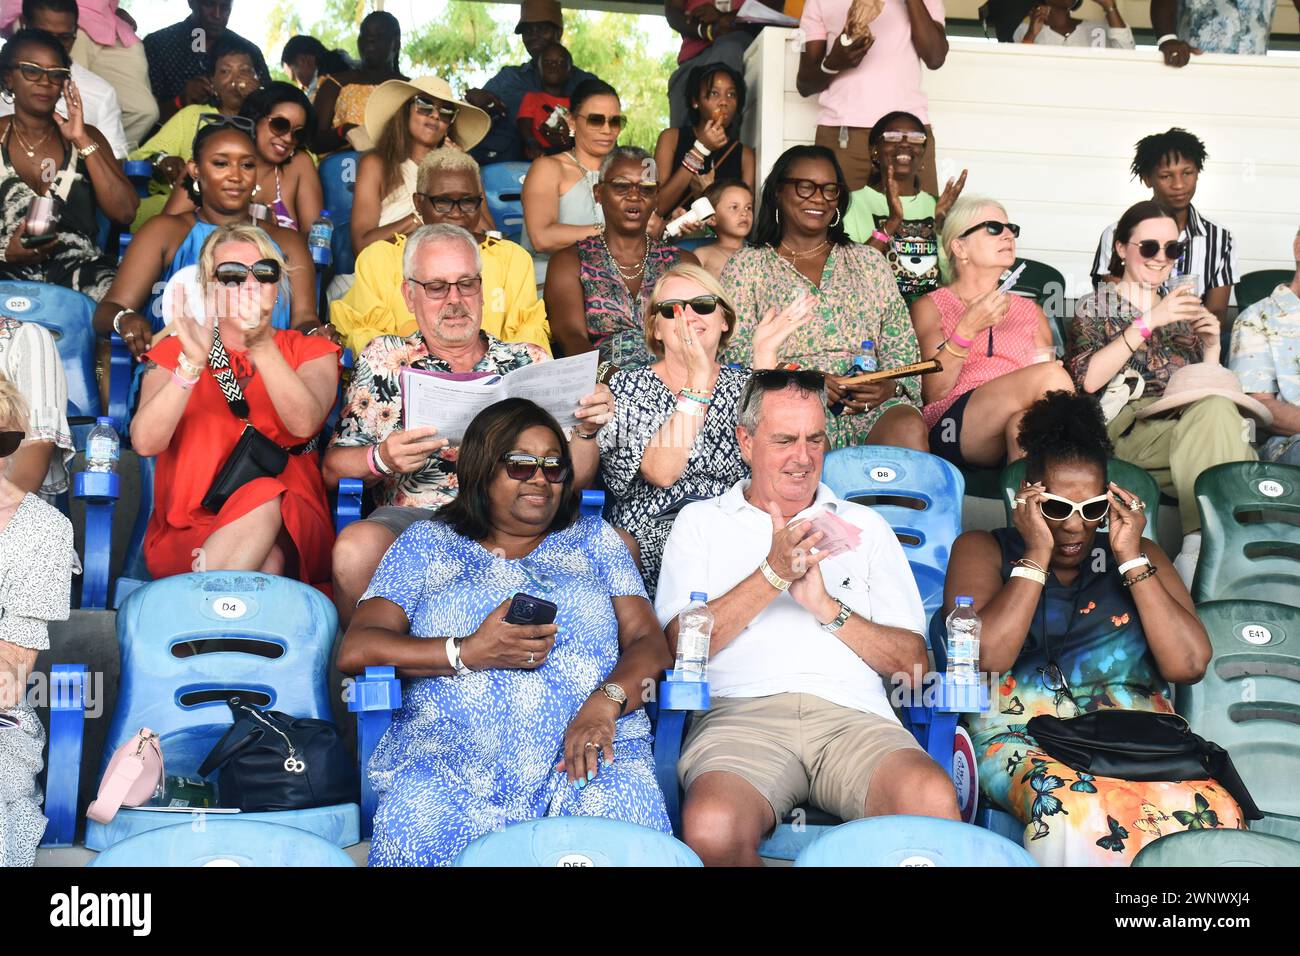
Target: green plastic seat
1128 476
1250 533
1254 286
1045 285
1219 848
1249 700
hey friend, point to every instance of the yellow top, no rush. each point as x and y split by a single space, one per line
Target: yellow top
374 305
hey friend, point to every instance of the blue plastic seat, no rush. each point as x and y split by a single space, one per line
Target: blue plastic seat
874 471
338 178
67 315
67 733
503 184
1202 848
576 841
275 639
223 841
912 841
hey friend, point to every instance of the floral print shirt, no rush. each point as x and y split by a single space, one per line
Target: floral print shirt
857 298
1102 315
616 319
373 409
1239 26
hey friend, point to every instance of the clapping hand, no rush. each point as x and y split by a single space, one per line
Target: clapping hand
790 556
951 192
776 326
195 336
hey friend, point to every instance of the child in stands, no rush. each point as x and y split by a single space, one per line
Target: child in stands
733 217
554 64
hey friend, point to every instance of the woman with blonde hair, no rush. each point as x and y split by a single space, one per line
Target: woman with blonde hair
223 369
996 348
36 561
673 437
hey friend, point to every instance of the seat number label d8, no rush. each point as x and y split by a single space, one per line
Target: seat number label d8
883 473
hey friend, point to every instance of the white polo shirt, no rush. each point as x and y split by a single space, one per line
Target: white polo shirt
716 544
99 106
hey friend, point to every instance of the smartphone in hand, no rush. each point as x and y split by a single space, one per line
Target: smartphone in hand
526 609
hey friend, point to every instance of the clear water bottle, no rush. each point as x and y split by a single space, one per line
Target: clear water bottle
694 631
864 361
963 642
319 239
103 446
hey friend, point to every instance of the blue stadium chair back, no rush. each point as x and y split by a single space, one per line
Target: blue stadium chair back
183 699
67 315
338 177
1216 848
576 841
1249 700
872 472
224 841
503 184
135 572
912 841
1250 542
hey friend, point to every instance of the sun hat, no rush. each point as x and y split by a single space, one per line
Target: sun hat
1191 383
540 11
467 130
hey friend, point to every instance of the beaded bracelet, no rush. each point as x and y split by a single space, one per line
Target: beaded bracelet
693 162
686 397
1129 582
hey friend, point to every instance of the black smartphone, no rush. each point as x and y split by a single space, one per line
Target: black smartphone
28 241
526 609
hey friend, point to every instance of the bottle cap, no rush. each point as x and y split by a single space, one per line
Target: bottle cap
104 420
325 214
699 596
965 600
868 344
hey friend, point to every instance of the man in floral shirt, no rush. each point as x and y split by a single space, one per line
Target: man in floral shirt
414 470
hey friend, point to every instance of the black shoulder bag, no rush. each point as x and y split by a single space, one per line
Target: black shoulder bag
254 455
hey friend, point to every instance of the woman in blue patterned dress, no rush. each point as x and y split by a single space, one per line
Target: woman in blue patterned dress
499 722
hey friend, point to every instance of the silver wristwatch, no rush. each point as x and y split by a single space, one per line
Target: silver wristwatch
617 694
453 657
835 625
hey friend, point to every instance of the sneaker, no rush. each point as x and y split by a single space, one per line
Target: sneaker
1185 563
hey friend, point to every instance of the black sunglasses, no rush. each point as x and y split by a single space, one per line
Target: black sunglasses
994 228
279 126
804 189
1150 248
773 379
9 442
700 305
265 271
34 73
442 205
220 120
426 107
521 467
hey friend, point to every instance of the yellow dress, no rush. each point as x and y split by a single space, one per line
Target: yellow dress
374 305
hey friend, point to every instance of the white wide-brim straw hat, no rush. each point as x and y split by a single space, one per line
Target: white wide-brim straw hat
1191 383
467 130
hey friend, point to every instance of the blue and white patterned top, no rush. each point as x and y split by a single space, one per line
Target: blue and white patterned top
1237 26
1265 356
468 755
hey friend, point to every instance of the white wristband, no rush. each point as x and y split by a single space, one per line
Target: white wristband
1036 576
828 72
453 658
702 149
1137 562
1165 39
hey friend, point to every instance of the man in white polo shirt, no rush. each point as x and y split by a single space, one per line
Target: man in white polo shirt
800 642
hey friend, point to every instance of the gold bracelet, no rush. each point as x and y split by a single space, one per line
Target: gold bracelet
1031 564
191 370
774 579
948 348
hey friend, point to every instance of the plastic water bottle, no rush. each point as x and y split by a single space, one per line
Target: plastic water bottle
103 447
864 361
319 239
963 642
694 630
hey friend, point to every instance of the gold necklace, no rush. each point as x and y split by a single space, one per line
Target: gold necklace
796 256
629 275
28 148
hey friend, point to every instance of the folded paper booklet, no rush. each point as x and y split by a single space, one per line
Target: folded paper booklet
449 401
903 371
838 535
751 11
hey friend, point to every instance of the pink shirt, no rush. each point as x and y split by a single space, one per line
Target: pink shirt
889 76
97 17
1013 347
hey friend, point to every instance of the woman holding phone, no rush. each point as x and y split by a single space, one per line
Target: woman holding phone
501 722
996 348
55 173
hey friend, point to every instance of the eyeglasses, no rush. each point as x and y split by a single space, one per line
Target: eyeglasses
994 228
442 205
265 271
623 187
1056 508
600 120
1150 248
700 305
524 467
426 107
35 73
1053 680
774 379
279 126
898 136
220 120
437 289
804 189
9 442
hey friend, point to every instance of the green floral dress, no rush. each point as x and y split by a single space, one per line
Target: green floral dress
858 299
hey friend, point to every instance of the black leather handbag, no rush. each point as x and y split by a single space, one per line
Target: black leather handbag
271 761
254 455
1139 745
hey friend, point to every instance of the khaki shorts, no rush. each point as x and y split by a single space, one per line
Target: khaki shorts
793 748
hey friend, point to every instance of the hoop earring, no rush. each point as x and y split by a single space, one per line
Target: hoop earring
836 221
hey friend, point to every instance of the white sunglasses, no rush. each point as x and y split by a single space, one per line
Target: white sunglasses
1056 508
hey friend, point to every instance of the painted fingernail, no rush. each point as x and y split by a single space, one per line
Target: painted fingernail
581 783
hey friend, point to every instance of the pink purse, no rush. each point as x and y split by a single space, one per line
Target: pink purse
134 775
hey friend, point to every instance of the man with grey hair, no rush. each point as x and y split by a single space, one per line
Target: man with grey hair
803 635
413 470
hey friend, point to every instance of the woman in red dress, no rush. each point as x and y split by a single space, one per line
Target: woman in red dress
275 525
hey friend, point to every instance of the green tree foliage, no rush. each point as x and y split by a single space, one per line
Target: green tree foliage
467 39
